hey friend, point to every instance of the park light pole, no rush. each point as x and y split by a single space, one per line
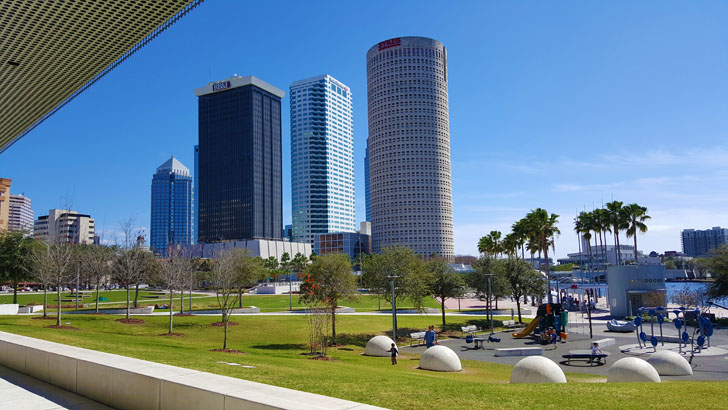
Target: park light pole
394 307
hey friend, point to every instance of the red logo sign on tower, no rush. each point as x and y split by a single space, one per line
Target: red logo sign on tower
393 42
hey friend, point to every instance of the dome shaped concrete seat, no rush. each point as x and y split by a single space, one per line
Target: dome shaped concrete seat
440 359
537 369
378 346
632 369
669 363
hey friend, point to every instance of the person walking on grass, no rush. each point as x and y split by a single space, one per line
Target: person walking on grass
394 353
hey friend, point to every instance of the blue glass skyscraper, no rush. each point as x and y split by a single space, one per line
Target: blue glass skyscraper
172 207
322 158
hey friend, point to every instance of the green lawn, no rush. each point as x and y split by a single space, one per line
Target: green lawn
274 346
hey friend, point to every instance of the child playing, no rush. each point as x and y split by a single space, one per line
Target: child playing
394 353
595 350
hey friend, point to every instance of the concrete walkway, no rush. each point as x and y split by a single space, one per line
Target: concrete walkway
19 392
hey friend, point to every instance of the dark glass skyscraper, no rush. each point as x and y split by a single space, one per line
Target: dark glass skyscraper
172 213
240 187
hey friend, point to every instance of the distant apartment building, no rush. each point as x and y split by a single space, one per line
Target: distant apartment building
172 219
697 243
322 158
4 203
65 226
20 214
239 166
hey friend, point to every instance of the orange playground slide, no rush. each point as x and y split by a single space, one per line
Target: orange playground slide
527 331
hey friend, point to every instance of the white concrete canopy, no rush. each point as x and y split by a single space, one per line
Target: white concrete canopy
537 369
378 346
632 369
440 359
669 363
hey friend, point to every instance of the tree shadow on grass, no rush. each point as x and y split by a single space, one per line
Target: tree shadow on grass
281 346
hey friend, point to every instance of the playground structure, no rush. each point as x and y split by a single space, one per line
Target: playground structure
548 317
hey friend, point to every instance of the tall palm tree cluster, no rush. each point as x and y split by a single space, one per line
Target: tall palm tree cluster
535 232
613 218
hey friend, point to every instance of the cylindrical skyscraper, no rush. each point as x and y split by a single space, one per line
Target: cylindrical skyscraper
409 146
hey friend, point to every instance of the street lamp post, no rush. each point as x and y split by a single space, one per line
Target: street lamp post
490 311
394 308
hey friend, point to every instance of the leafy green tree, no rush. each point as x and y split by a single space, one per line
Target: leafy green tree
478 279
523 281
718 265
444 283
636 216
250 271
329 279
272 265
16 252
411 277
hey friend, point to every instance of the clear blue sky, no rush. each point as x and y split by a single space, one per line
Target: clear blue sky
555 105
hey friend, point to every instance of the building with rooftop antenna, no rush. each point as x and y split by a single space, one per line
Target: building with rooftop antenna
172 221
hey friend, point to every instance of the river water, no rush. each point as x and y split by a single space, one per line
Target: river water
673 287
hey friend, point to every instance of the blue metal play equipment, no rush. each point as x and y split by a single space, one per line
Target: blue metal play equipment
688 343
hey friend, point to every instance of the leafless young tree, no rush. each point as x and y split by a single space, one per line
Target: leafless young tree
225 279
317 318
174 272
128 268
53 267
96 266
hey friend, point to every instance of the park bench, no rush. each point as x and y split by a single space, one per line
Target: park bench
510 324
470 330
418 337
585 355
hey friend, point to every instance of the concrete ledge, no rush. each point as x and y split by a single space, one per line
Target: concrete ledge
605 342
519 351
30 309
9 309
126 383
251 309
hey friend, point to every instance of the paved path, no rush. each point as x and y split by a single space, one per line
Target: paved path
20 392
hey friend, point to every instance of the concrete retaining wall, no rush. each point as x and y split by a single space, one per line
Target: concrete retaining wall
9 309
126 383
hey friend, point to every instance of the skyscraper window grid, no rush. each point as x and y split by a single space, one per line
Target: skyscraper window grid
322 158
172 213
410 190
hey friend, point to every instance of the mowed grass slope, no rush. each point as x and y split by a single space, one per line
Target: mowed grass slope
274 346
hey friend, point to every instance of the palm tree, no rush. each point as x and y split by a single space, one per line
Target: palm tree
544 227
618 222
601 225
583 225
636 215
491 244
520 231
510 245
